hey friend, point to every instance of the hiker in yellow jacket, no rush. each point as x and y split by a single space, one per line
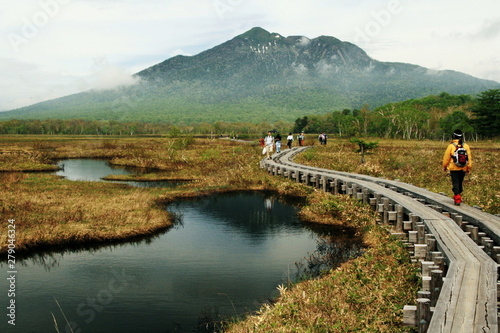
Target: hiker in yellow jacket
458 166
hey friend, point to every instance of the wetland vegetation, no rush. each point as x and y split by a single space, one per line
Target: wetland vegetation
417 162
363 294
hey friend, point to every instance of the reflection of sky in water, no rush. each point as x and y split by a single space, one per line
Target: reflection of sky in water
228 250
90 170
95 170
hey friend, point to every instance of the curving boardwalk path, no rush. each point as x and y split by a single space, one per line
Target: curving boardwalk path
454 244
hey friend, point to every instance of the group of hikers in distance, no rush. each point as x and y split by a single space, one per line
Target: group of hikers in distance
457 158
269 142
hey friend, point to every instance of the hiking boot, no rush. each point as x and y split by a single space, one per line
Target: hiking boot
458 199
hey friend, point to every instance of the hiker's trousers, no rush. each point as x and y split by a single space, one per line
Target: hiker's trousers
457 179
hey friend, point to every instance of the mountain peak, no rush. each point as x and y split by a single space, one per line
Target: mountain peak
259 35
259 75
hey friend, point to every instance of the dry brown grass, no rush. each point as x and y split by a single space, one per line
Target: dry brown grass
53 212
417 163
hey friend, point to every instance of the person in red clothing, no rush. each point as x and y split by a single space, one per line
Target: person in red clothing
457 170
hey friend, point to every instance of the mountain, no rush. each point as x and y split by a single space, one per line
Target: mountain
258 76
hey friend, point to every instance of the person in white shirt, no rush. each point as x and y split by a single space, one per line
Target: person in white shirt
269 142
289 140
301 138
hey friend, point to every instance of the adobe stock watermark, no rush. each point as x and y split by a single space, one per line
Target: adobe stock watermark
382 18
11 271
88 309
31 25
222 7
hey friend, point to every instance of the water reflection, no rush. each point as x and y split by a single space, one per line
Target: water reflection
268 203
233 211
89 170
50 257
331 251
95 170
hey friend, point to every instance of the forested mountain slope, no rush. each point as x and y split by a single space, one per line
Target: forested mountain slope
258 76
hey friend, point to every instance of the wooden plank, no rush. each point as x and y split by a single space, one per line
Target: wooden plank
488 294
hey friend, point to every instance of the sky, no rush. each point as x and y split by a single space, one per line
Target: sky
53 48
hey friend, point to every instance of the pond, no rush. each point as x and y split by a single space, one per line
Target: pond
226 256
96 170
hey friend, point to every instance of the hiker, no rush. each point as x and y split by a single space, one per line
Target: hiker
289 140
458 160
300 137
322 138
277 142
269 142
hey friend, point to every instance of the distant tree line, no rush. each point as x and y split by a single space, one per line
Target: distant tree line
79 127
431 117
104 127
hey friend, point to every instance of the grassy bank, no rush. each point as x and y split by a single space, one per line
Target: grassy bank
51 212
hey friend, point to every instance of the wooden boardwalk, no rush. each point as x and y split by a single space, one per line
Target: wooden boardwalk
454 244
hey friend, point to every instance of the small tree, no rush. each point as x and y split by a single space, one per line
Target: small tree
364 147
174 132
457 119
487 112
300 124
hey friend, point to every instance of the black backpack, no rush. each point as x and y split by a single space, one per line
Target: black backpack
460 157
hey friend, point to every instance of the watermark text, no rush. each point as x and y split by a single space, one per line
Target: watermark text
11 272
31 25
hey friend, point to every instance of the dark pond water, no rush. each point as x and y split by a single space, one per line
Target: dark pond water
95 170
226 256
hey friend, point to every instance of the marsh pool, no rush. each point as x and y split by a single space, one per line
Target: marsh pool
225 256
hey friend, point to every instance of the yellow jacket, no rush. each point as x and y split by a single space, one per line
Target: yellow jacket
448 163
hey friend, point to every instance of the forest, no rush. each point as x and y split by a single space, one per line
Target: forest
431 117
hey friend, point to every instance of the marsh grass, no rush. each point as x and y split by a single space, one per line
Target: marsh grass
417 163
50 211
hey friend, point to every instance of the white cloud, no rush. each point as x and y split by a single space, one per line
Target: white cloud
304 41
27 83
440 35
108 77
